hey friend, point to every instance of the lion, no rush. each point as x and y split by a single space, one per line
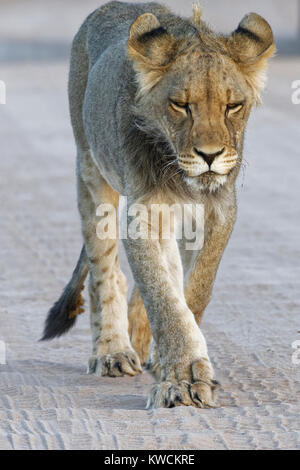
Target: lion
159 106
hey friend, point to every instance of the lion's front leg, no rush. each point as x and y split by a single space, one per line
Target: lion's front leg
200 282
186 376
112 353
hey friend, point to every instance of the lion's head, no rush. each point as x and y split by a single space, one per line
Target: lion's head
197 89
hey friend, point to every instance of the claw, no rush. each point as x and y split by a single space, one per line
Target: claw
115 365
168 394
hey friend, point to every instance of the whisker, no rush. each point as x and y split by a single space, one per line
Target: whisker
177 172
167 165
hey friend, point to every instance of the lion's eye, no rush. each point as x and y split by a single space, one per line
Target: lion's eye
233 108
180 106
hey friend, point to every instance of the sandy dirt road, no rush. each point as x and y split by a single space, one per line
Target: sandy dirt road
46 399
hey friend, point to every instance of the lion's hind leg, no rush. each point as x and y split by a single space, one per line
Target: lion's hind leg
141 337
139 329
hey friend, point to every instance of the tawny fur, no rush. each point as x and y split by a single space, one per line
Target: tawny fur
159 106
139 329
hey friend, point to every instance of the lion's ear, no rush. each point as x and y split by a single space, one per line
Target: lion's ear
151 48
251 45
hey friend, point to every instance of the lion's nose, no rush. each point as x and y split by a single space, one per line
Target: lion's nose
209 153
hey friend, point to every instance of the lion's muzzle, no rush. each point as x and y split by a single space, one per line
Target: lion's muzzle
203 160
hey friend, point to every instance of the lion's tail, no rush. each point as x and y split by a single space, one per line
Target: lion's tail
62 316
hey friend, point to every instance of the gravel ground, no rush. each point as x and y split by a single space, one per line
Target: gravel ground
46 400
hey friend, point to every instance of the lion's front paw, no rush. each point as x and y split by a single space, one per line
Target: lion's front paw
168 395
198 389
115 365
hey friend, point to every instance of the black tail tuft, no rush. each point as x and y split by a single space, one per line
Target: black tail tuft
62 316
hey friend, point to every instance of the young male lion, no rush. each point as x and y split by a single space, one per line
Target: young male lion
159 106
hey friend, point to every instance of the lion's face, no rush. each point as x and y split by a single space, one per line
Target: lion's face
200 96
204 112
